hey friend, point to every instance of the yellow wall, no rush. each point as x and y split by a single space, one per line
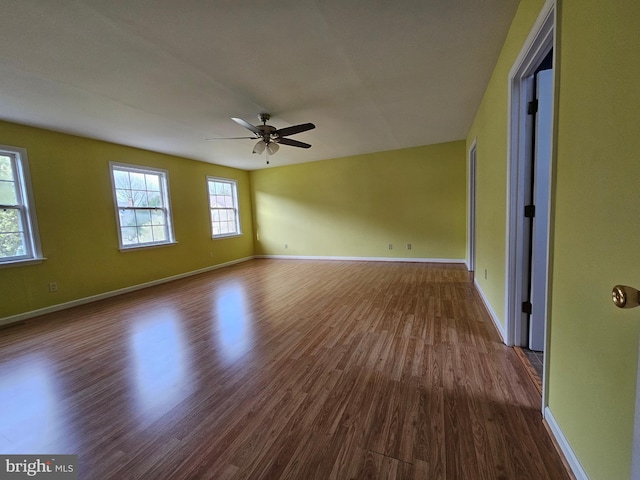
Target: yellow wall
357 206
490 130
593 348
74 204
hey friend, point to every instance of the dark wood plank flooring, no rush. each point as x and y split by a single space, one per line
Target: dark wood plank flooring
278 369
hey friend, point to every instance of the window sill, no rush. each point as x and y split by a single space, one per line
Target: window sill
22 263
229 235
144 247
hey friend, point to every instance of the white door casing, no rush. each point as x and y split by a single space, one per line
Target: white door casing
635 455
473 153
536 47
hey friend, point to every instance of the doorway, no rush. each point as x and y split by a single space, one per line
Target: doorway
529 190
537 194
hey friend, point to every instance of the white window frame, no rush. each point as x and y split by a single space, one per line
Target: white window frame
25 206
166 207
236 208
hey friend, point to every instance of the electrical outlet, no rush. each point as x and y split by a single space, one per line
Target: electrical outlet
391 246
286 246
210 254
485 273
408 246
53 286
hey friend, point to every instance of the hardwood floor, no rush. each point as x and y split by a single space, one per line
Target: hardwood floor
278 369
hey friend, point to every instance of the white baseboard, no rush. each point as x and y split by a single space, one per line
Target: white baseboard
564 445
492 313
101 296
364 259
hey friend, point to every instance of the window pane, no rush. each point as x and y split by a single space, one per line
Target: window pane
144 192
8 193
12 245
17 240
158 217
127 218
129 236
121 179
153 182
223 203
6 169
159 234
137 181
154 199
140 198
124 198
12 238
10 220
143 217
145 234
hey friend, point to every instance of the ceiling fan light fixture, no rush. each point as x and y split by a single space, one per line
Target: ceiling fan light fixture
259 148
272 148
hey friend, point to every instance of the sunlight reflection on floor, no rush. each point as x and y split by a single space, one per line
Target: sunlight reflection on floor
233 324
161 363
30 408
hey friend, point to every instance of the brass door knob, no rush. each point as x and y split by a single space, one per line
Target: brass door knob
624 296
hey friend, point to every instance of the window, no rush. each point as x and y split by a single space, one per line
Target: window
141 195
223 202
19 240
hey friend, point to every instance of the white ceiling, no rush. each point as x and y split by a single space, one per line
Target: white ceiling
163 75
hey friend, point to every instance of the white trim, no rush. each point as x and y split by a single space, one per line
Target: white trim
564 445
539 42
472 159
490 310
22 263
226 235
364 259
144 246
101 296
635 456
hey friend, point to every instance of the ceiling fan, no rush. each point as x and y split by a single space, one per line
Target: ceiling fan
270 138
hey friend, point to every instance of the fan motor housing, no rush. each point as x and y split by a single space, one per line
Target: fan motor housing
266 129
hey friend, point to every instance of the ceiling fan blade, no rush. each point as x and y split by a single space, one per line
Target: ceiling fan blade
228 138
293 143
303 127
247 125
